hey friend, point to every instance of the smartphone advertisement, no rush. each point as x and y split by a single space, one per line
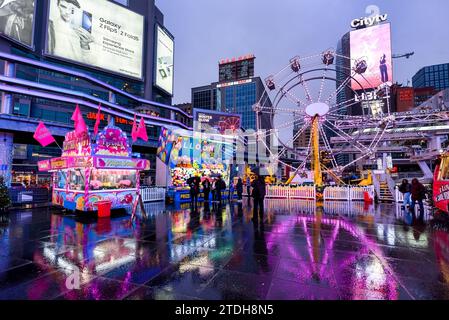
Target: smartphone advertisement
164 60
373 45
96 33
17 20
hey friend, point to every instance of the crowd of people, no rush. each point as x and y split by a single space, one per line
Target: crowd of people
414 192
213 188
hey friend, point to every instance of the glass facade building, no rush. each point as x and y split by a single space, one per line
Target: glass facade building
436 76
37 87
238 98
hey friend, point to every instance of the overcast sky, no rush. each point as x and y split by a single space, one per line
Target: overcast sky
274 31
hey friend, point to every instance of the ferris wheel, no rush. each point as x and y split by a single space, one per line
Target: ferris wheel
321 100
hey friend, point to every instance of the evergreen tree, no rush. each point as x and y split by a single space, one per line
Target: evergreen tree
5 201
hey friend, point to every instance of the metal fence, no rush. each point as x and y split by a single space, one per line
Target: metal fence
348 193
150 194
283 192
21 196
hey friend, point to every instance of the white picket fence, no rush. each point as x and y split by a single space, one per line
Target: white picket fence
348 193
152 194
282 192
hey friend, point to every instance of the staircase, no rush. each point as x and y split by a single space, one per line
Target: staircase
385 193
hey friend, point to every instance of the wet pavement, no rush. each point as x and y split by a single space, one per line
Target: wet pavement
301 251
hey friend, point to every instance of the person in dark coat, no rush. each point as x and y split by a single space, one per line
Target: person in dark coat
405 188
220 185
206 189
418 192
258 194
239 188
194 184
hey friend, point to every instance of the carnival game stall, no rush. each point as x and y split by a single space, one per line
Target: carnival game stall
186 156
87 174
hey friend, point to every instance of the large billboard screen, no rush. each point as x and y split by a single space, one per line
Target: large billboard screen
164 60
373 45
223 123
236 68
17 20
96 33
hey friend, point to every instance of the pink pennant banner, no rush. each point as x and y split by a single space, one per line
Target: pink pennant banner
142 130
43 135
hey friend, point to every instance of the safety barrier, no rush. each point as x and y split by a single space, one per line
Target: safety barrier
336 193
358 193
283 192
348 193
399 196
21 196
152 194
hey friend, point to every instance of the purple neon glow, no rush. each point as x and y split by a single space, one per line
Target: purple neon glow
44 65
391 281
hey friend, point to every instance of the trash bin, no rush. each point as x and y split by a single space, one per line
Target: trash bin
104 208
367 198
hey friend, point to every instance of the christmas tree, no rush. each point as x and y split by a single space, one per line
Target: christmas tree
5 201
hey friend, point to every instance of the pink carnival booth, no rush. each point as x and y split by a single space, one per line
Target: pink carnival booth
88 174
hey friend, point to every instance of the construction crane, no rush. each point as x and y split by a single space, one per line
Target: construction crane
406 55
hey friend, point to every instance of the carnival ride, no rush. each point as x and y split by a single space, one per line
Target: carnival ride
337 129
304 96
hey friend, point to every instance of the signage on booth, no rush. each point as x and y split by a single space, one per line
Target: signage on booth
139 164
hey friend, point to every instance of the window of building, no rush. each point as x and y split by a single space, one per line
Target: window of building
122 2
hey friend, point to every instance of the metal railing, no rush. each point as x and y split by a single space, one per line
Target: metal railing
283 192
152 194
347 193
20 196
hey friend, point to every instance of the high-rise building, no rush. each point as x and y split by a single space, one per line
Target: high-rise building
48 70
237 91
436 76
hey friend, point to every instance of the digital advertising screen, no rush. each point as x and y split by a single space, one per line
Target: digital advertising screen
236 68
164 60
17 20
96 33
223 123
373 45
165 144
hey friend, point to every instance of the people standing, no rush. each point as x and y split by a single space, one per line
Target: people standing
206 189
214 190
248 186
231 190
220 185
405 188
239 189
194 184
259 191
418 192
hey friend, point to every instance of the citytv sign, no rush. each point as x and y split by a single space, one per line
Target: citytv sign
369 21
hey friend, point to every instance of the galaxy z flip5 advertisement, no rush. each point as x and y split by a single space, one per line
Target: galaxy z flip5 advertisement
97 33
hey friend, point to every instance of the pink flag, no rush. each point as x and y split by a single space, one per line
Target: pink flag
97 121
134 135
142 130
76 114
43 135
80 125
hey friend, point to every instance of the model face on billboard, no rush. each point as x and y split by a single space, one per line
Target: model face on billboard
66 10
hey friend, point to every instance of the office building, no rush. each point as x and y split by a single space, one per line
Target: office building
43 81
435 76
237 91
